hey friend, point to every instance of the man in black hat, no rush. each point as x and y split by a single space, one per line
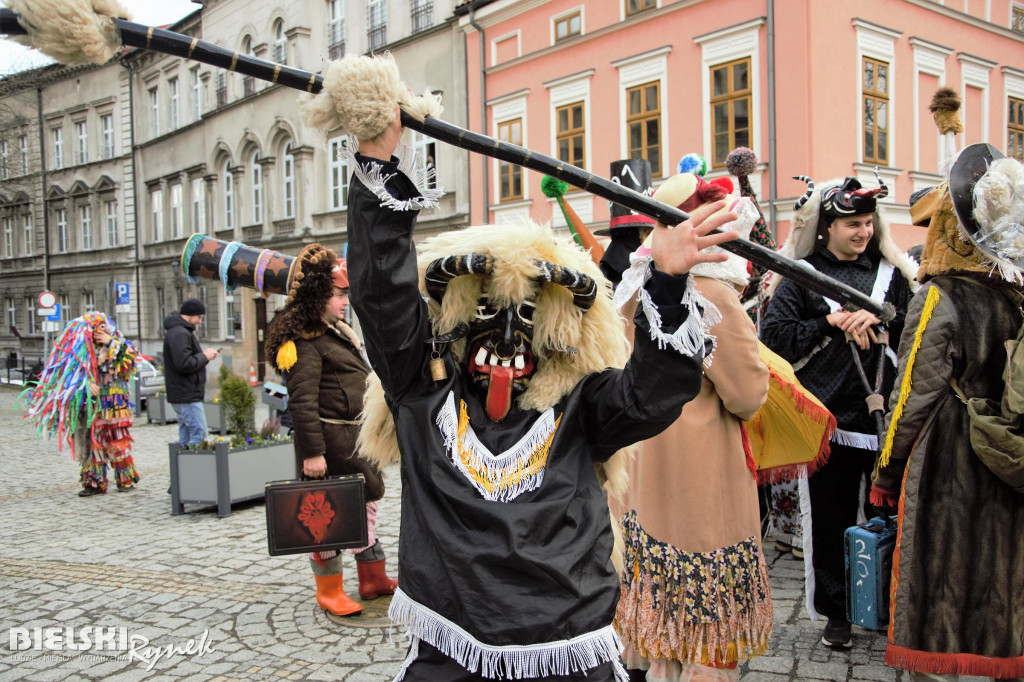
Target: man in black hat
626 228
837 231
185 370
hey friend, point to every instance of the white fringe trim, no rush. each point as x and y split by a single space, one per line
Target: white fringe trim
372 175
702 315
804 491
861 441
526 661
481 461
414 652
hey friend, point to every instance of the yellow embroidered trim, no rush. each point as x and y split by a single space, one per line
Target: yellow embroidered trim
509 477
926 314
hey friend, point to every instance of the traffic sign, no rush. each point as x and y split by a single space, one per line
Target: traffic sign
47 299
45 312
51 326
55 315
123 293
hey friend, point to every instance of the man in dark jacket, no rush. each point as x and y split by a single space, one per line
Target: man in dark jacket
185 370
839 232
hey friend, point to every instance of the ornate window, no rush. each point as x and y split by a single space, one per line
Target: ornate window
339 173
113 234
280 43
198 206
335 29
229 196
1015 133
643 124
156 207
510 175
257 188
58 148
571 134
62 230
876 111
288 182
85 224
176 211
107 124
731 103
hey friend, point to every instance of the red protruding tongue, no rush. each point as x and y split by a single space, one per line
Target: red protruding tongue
499 393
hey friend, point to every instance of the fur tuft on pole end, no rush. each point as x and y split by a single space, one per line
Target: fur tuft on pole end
73 32
945 108
359 96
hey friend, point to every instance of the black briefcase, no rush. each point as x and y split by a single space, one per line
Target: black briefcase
316 515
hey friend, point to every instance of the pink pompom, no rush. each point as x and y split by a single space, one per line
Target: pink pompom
741 161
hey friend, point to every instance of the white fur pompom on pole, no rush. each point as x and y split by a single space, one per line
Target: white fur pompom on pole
359 94
71 31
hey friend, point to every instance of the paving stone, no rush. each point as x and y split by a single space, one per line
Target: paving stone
196 572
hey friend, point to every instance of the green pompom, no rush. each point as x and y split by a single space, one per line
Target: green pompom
553 187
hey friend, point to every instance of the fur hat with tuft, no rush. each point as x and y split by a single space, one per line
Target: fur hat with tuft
360 94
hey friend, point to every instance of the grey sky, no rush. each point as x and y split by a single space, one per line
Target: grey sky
14 57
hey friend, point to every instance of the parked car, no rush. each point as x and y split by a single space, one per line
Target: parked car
150 378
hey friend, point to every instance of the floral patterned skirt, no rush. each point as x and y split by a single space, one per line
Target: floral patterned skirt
712 608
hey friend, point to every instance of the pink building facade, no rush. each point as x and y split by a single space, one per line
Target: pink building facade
839 86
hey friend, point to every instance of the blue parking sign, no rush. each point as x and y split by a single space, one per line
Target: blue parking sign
123 293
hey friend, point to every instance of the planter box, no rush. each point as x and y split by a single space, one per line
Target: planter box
159 411
225 476
216 420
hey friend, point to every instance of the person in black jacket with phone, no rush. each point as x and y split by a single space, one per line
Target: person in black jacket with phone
185 370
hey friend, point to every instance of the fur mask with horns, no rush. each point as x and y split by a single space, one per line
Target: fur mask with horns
575 330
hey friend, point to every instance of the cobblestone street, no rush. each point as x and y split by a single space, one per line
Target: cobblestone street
123 561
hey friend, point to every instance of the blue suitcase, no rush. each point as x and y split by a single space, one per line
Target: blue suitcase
869 548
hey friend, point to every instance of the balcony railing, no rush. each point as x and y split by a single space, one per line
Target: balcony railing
283 228
377 36
252 232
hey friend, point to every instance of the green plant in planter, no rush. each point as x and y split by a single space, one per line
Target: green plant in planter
238 402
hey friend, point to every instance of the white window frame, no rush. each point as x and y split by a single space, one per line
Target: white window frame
517 34
288 181
504 109
256 177
62 230
27 230
336 25
420 146
30 316
229 196
88 302
8 237
85 226
228 317
280 43
65 308
197 94
974 72
58 148
177 212
107 124
113 232
172 84
930 60
154 111
562 15
382 7
12 315
156 212
23 143
339 174
82 134
876 42
198 205
720 47
649 67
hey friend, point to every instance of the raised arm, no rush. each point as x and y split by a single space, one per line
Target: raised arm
382 268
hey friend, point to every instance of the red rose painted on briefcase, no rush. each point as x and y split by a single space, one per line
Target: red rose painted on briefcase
316 516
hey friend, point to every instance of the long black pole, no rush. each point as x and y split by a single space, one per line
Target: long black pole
169 42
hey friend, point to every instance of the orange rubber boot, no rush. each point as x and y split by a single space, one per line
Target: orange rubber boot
331 597
373 581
